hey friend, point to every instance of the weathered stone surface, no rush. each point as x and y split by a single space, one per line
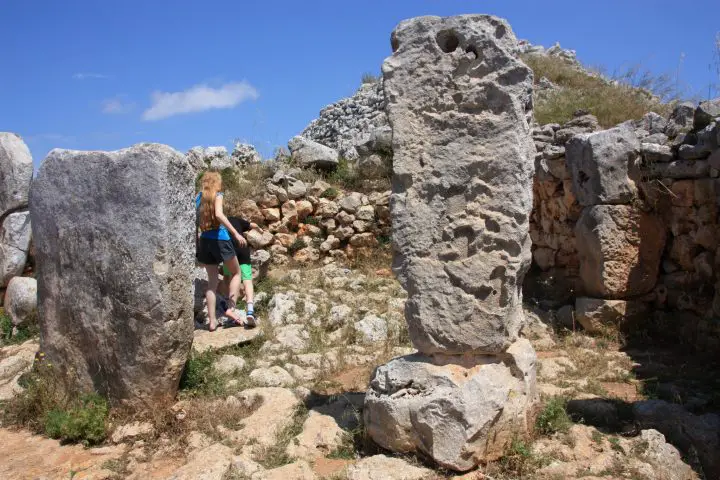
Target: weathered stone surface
114 269
372 329
320 436
228 364
274 409
387 468
15 234
259 239
132 431
308 153
705 113
686 431
295 471
599 163
271 377
456 84
620 249
21 300
595 314
460 412
15 360
16 169
211 463
204 340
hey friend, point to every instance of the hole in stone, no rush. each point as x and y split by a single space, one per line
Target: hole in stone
448 41
458 97
582 176
394 42
494 292
492 225
473 50
500 31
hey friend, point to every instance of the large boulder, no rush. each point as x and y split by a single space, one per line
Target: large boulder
21 300
244 154
458 102
15 234
599 163
307 153
113 231
619 248
459 412
16 169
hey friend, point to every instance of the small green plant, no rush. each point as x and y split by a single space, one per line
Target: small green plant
276 455
330 193
199 378
344 175
615 444
596 437
297 245
553 417
312 220
11 335
82 422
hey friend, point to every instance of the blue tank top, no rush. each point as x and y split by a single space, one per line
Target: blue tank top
220 233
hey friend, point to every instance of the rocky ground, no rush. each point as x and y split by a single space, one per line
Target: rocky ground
285 401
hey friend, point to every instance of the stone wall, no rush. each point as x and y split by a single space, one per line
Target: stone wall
625 222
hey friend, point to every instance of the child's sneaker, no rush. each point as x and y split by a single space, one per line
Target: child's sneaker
250 319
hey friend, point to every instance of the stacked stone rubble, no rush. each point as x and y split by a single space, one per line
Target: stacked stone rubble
16 169
459 103
349 122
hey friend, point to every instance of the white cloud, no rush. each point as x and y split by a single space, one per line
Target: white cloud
198 98
117 105
86 76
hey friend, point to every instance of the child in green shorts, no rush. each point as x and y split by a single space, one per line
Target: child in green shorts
243 256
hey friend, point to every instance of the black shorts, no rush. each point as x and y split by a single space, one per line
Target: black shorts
211 251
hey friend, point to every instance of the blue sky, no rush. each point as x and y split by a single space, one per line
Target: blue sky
88 74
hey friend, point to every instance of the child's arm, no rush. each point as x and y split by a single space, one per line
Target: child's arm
220 215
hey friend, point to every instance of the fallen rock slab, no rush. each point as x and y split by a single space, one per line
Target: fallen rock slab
204 340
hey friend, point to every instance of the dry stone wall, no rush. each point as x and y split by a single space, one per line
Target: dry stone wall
625 221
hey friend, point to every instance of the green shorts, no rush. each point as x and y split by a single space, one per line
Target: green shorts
245 271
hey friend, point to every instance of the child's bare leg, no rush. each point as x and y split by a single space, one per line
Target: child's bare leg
234 288
210 297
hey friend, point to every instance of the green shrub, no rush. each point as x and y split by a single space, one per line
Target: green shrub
82 422
553 417
611 102
344 175
297 245
22 333
311 220
331 193
199 378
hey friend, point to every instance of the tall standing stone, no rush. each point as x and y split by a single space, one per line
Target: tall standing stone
459 101
113 231
16 169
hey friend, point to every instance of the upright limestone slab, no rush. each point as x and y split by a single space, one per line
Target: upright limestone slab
112 233
458 102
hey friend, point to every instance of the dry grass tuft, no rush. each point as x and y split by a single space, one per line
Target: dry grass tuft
612 102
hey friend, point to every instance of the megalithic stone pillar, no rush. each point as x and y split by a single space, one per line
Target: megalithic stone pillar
114 247
459 102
